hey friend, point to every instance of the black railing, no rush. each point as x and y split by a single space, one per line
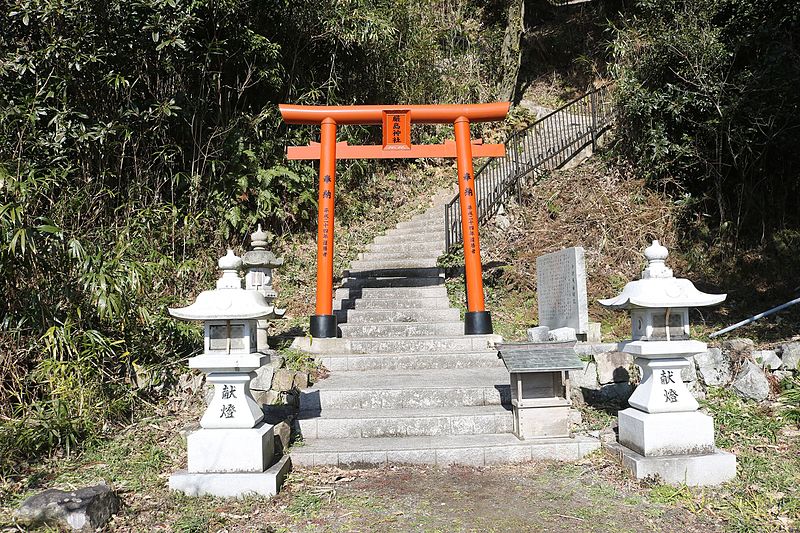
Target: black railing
545 145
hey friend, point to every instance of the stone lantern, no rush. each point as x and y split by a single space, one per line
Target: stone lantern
259 263
662 433
234 443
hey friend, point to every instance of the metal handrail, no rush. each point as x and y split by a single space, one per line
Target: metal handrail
545 145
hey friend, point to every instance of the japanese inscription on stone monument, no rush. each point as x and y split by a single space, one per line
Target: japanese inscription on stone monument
561 290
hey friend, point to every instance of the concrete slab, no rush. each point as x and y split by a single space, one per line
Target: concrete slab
232 484
477 450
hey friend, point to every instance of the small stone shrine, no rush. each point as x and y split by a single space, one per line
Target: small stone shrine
540 387
259 263
232 455
662 433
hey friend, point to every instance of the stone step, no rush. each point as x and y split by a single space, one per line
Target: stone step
438 302
363 423
370 316
409 389
437 238
395 256
410 329
476 450
410 361
462 343
393 281
422 223
431 233
410 266
434 246
390 293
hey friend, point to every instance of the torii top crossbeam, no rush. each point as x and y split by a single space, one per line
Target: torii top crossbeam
396 122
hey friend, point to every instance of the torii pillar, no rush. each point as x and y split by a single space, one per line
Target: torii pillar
396 122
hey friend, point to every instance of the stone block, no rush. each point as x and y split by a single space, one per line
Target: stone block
301 380
232 484
737 349
283 380
694 470
791 356
714 367
366 457
689 373
561 335
85 509
659 434
507 454
751 383
412 457
613 367
768 359
230 450
269 397
460 456
586 378
538 334
283 434
263 379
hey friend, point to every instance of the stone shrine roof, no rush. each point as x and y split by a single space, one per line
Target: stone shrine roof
540 356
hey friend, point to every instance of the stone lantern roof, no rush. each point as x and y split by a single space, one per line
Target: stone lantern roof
259 256
658 288
229 301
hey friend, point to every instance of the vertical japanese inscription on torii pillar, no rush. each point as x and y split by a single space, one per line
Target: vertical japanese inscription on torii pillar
471 222
326 194
396 130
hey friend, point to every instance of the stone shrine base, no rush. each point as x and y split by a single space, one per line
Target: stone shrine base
693 470
232 484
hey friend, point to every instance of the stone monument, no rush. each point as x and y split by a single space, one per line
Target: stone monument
561 291
232 455
662 433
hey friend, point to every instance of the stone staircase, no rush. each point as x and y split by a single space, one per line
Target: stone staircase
406 384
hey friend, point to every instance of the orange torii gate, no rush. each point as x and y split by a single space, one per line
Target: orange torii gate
396 122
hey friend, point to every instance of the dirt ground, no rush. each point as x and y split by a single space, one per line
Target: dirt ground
537 496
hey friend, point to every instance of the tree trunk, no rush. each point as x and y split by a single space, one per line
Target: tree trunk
511 54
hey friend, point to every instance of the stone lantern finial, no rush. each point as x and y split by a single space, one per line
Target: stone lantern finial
229 265
656 254
258 239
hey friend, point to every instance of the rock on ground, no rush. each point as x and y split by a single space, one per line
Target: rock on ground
751 383
714 367
85 509
791 356
768 359
737 349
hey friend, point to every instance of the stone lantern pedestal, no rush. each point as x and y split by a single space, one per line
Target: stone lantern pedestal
233 452
662 434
